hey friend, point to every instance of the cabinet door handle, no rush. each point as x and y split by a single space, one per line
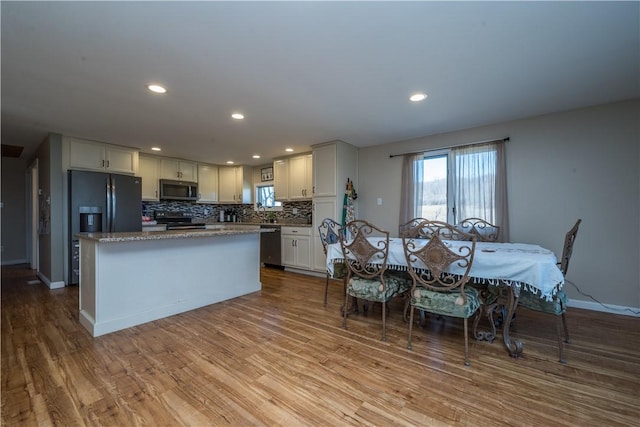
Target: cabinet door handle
103 163
108 164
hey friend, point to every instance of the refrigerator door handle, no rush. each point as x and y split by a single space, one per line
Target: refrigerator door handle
109 212
113 204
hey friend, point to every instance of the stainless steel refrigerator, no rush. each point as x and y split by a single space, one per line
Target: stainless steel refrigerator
102 203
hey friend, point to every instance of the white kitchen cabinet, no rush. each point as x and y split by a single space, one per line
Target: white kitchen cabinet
296 247
235 184
207 183
333 163
97 156
149 171
281 179
301 177
178 170
324 171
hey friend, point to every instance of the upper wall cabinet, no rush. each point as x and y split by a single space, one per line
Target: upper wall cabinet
324 170
301 177
333 163
96 156
281 179
235 184
149 171
207 183
178 169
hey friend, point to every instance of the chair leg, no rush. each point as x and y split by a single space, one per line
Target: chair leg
559 327
566 330
384 321
326 289
345 311
410 327
466 343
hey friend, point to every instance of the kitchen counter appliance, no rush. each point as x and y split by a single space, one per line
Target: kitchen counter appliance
100 203
177 221
270 246
178 190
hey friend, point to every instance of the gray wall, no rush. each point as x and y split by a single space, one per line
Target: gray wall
14 223
564 166
52 212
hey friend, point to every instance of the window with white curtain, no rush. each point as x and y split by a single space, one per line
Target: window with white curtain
453 184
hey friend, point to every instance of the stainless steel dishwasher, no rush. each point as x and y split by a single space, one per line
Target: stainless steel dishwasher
270 246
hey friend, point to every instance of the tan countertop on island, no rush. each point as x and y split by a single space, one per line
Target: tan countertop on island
171 234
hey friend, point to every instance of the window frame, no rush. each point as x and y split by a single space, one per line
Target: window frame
256 192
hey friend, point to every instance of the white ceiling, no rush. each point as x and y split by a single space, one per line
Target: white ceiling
302 72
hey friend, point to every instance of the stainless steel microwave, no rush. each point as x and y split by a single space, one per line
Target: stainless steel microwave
178 190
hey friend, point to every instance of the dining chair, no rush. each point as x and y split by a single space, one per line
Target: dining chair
435 289
331 232
365 255
410 227
426 228
485 231
558 305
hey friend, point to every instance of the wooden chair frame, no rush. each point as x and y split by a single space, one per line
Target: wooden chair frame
437 257
329 230
365 260
484 230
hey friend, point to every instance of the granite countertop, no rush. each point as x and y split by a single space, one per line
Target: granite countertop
272 224
171 234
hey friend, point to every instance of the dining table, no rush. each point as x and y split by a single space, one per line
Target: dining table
508 267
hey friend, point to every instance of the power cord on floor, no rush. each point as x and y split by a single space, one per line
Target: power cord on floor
637 313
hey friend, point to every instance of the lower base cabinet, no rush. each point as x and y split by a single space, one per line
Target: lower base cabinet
296 247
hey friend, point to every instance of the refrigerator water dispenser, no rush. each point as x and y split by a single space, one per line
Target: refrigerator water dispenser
90 219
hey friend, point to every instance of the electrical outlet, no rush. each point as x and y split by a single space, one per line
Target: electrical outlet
379 201
295 210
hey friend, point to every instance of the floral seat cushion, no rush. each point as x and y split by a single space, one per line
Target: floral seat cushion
339 270
556 306
372 289
446 303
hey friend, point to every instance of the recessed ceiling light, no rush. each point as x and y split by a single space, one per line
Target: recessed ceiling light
417 97
255 156
289 150
229 162
156 149
237 116
156 89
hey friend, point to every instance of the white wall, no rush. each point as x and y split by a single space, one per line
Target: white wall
578 164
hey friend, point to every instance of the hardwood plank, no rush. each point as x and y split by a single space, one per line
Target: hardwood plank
279 357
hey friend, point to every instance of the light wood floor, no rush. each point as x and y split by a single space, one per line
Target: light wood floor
278 357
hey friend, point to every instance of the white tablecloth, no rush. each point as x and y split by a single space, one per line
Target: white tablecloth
531 267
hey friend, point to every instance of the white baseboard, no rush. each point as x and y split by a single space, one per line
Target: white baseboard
607 308
49 283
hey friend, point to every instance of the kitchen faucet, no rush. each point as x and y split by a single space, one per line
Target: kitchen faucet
264 211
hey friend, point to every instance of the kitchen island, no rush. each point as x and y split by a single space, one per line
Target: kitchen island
127 279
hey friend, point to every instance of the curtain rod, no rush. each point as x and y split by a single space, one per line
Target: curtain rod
451 146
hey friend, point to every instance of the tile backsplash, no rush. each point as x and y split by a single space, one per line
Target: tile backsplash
243 212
